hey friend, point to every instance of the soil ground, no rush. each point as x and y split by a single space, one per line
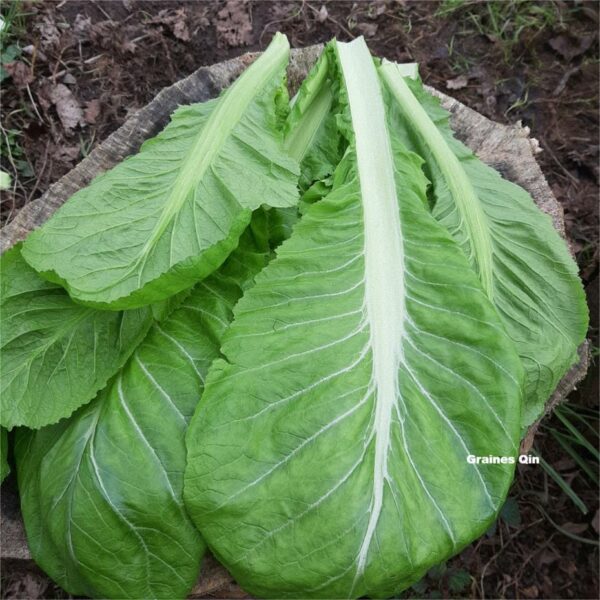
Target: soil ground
73 70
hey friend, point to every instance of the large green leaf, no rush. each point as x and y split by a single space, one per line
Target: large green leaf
4 466
524 265
170 215
328 455
101 492
55 354
311 136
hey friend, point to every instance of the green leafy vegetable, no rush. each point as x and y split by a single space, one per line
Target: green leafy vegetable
311 138
459 580
328 456
311 135
522 262
168 216
55 354
510 513
102 491
316 419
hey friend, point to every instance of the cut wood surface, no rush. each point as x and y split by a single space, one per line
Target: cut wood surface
508 149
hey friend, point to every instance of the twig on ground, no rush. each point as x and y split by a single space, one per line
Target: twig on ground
35 108
40 173
502 548
99 7
330 18
560 165
85 62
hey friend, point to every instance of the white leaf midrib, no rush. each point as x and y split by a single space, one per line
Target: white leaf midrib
384 303
218 127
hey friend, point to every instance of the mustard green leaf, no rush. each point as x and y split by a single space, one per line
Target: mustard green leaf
523 264
55 354
169 216
330 453
101 492
311 135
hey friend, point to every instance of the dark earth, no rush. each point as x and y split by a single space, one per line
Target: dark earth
73 70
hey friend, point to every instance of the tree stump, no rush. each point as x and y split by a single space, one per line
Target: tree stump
509 150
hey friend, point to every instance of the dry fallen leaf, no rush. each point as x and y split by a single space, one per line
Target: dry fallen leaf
367 29
234 25
128 46
20 72
49 33
180 31
92 111
546 557
65 154
575 528
571 46
458 83
213 577
564 464
175 20
531 592
82 26
568 567
68 109
31 585
380 7
215 581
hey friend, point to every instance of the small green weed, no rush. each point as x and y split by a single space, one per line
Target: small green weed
503 21
13 20
12 27
440 578
577 426
11 24
12 151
